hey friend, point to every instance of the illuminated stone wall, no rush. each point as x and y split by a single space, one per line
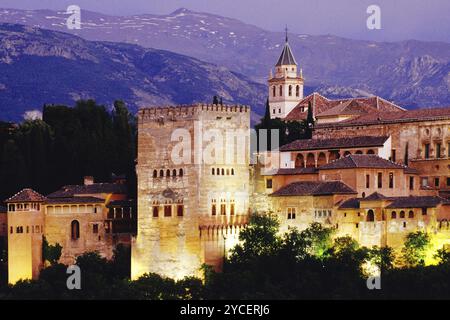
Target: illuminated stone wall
174 245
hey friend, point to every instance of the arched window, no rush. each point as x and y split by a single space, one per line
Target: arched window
370 151
411 214
181 172
290 90
297 91
155 173
161 173
402 214
370 216
393 215
232 172
75 230
228 172
213 171
168 173
218 171
359 152
223 172
281 90
274 91
213 209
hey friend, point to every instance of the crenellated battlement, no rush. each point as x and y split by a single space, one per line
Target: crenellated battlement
189 110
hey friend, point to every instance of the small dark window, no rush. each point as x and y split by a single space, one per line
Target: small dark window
411 183
380 180
75 230
269 184
167 211
155 211
223 172
180 210
402 214
438 150
427 150
95 228
213 171
391 180
370 216
367 181
357 225
232 172
424 211
393 215
168 173
155 173
411 214
448 181
436 182
213 210
393 155
223 209
174 173
181 172
232 209
161 173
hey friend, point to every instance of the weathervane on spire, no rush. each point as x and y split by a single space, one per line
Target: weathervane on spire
286 29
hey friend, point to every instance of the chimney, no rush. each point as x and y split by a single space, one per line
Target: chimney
88 180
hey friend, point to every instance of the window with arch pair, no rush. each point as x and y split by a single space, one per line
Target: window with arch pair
222 172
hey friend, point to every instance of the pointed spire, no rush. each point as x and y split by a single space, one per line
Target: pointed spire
286 57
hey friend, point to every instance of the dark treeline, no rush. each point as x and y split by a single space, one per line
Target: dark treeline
67 144
306 264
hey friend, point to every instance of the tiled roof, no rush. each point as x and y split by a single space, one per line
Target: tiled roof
416 202
323 107
289 171
314 188
374 196
122 203
352 203
361 161
286 57
74 200
95 188
393 117
26 195
348 142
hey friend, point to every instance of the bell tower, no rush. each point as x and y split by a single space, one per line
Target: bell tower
286 86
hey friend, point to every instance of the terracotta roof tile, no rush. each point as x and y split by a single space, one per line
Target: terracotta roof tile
95 188
313 188
349 106
316 144
374 196
352 203
289 171
393 117
361 161
74 200
26 195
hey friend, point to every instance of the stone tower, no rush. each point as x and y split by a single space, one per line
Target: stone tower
25 231
286 87
191 203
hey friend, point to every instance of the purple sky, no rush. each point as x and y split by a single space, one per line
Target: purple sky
400 19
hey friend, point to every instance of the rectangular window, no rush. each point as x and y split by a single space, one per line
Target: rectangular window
223 209
380 180
411 183
367 181
438 150
427 150
155 211
95 228
232 209
436 182
391 180
448 182
424 181
167 211
180 209
448 150
424 211
213 210
291 213
393 155
269 184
